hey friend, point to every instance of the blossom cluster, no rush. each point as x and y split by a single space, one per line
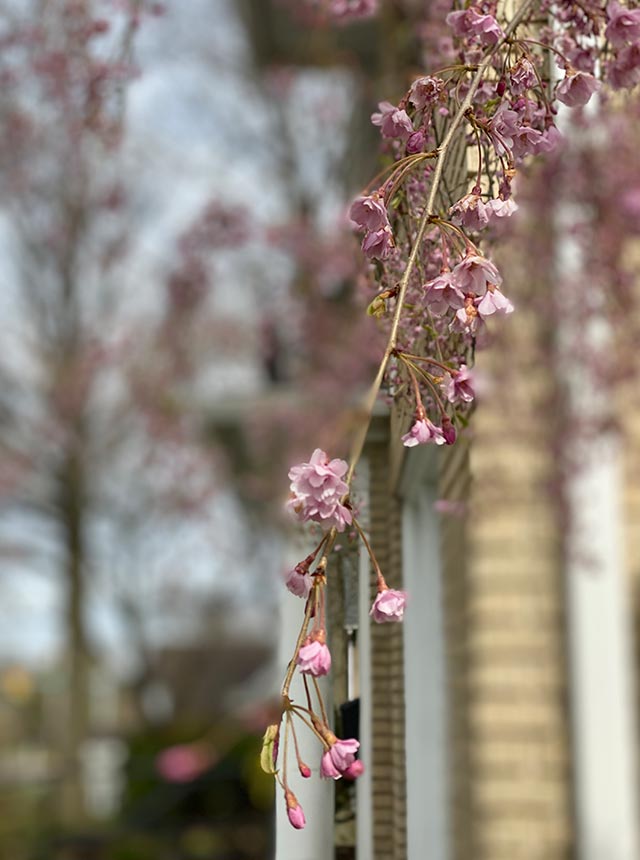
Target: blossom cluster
320 495
435 289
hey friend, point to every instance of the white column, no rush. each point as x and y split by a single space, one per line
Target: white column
602 669
364 805
424 664
315 795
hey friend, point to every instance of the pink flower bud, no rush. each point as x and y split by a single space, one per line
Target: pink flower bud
354 770
304 769
416 142
448 430
294 810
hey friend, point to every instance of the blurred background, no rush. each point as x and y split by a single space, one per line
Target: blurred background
182 307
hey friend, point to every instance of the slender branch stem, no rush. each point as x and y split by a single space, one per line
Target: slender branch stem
301 637
320 699
296 709
374 560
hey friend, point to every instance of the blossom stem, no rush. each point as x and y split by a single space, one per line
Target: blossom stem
307 692
397 165
295 741
427 359
429 382
287 726
301 637
320 699
427 216
374 561
296 709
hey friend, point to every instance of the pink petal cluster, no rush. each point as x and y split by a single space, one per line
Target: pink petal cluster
426 91
339 760
623 26
522 77
576 89
458 385
474 273
423 431
317 488
389 605
441 293
469 23
393 122
314 658
474 213
370 215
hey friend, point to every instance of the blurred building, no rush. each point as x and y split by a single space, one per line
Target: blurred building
499 722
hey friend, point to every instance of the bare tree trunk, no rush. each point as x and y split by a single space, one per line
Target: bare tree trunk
77 728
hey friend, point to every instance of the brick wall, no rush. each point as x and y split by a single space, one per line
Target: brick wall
388 753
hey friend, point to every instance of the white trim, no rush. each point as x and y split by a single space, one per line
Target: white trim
602 671
424 663
364 791
315 795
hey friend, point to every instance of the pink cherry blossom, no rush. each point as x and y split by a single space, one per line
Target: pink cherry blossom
339 758
389 605
624 24
441 293
576 89
314 658
500 208
494 302
474 273
522 77
352 10
425 91
393 122
469 23
503 127
467 319
369 213
470 212
317 489
423 431
378 244
458 385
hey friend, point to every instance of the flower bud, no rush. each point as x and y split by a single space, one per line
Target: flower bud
354 770
416 142
448 431
294 810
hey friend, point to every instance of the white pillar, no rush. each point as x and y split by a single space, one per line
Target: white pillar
364 805
602 669
315 795
424 663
